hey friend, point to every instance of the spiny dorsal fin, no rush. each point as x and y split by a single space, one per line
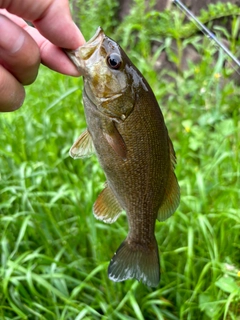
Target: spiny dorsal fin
107 207
83 146
172 195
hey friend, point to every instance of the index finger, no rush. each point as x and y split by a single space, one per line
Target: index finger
51 17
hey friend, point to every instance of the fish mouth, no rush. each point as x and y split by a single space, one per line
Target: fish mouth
98 34
83 53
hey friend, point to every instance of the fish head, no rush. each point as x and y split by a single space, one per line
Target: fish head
109 76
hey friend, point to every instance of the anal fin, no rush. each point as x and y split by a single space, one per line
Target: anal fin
83 146
107 207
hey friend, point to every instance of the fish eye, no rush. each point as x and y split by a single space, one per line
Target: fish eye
114 61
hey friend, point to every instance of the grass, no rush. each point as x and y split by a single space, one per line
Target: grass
54 254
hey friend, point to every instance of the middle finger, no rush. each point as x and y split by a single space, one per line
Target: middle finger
19 53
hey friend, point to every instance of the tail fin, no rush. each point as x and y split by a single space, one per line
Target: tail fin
136 261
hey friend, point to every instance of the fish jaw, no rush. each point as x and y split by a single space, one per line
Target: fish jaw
80 56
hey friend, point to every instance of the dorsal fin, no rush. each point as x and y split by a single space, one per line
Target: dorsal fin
171 199
172 194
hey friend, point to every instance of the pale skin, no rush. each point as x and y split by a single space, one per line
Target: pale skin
23 48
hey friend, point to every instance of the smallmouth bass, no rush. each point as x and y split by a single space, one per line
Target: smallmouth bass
126 129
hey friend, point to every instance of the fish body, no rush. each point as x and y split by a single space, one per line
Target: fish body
126 129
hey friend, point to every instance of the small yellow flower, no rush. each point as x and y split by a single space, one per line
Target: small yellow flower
238 274
217 76
197 70
187 129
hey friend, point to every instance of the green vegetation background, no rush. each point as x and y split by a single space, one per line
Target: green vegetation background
54 254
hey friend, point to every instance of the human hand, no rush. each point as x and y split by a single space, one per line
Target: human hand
22 47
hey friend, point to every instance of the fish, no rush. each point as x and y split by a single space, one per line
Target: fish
126 130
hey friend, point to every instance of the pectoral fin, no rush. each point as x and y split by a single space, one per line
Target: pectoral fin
107 207
83 146
115 140
172 195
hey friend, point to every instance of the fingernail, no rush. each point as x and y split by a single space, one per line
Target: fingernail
12 37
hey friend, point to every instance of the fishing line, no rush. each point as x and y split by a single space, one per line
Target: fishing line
207 32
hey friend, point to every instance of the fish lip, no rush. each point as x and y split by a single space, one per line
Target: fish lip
73 56
99 33
78 56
